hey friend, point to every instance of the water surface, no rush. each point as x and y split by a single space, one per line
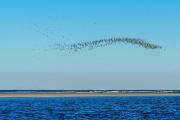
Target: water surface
84 108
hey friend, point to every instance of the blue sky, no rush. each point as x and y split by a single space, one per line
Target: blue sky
30 29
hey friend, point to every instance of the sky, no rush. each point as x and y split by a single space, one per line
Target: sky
30 29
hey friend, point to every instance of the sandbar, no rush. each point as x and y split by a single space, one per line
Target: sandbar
61 95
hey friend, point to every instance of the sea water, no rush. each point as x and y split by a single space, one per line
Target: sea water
91 108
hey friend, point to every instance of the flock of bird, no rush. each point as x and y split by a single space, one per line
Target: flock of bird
106 42
99 43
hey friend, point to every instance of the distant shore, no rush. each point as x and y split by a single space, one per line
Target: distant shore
61 95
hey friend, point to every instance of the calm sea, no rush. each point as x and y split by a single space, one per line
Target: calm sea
88 108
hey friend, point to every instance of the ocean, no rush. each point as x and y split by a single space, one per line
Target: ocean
91 108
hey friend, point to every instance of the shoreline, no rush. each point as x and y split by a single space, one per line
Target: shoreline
61 95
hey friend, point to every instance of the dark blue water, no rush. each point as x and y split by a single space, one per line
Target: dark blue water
86 108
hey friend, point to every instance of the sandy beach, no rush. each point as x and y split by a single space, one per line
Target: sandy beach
51 95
